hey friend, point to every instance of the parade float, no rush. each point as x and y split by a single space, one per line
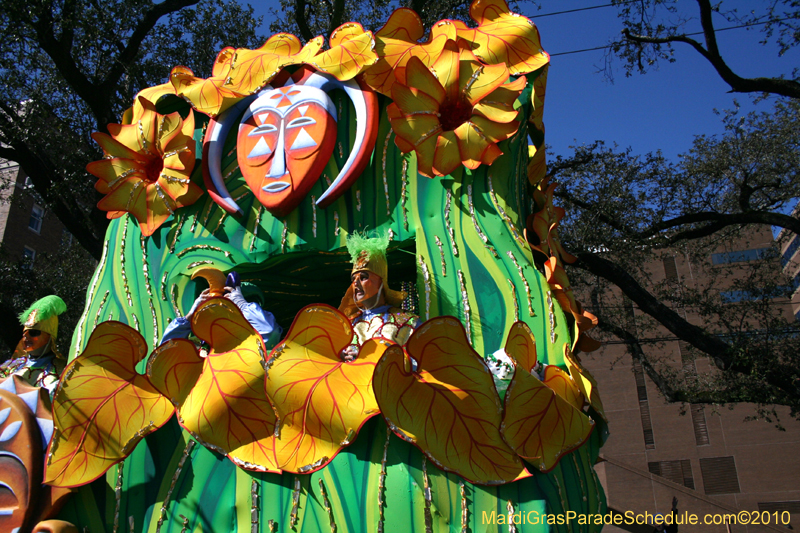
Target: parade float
266 168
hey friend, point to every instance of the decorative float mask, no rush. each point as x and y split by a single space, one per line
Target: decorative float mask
286 138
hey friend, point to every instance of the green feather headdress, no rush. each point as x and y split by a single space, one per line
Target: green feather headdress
43 309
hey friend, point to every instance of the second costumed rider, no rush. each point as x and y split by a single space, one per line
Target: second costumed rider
371 306
247 297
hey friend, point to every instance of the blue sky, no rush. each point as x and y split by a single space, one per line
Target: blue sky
663 109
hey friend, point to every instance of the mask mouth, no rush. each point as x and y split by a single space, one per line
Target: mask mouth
277 186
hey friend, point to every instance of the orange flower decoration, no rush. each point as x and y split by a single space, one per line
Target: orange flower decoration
147 166
454 113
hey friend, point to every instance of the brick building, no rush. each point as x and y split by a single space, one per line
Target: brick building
26 227
712 460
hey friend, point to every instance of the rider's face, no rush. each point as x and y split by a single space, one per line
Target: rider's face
365 285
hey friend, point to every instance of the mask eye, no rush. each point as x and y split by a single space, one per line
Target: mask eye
301 121
261 130
33 332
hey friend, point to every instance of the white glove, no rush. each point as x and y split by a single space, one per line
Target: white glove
235 295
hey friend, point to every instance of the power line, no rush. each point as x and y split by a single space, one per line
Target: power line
683 35
579 9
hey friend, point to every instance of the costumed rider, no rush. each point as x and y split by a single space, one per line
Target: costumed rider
36 359
247 297
371 306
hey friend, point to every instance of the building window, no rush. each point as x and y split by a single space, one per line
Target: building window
670 268
35 222
28 254
792 507
741 256
719 475
679 472
790 250
644 406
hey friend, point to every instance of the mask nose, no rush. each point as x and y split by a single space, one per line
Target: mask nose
278 167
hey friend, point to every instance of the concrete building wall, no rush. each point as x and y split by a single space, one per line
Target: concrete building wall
713 460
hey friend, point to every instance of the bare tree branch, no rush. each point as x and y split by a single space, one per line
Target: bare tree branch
712 54
300 19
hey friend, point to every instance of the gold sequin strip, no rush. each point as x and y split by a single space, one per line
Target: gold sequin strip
256 226
502 212
465 303
314 215
95 279
197 247
194 224
222 218
512 528
390 234
164 286
163 512
336 223
207 214
198 263
122 262
295 502
272 526
478 229
135 322
464 507
327 506
524 282
185 527
358 200
100 309
174 295
514 297
561 495
118 496
447 224
580 477
427 493
404 193
254 506
283 236
382 480
181 220
552 317
441 252
149 288
385 180
427 277
155 322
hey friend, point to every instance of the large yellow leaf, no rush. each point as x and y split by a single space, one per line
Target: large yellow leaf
396 43
352 51
448 406
251 70
102 408
504 37
321 401
562 384
585 381
207 95
174 368
228 410
540 425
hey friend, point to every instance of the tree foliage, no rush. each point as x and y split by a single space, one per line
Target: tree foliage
65 272
627 213
71 67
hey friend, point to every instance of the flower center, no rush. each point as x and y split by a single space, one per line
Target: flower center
454 113
153 169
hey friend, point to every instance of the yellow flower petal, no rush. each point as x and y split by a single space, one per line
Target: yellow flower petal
447 157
